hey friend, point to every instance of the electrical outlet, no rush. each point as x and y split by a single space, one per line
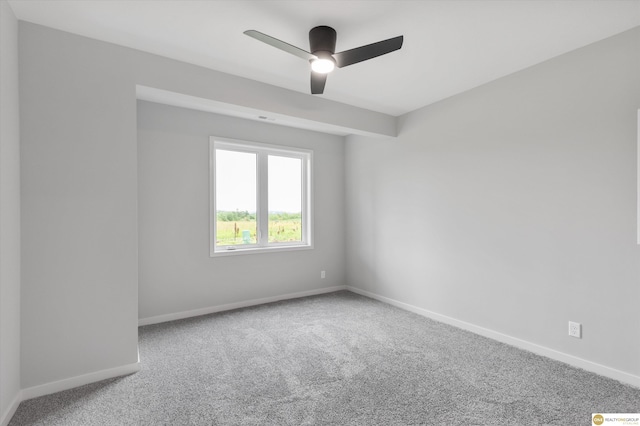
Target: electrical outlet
575 329
322 274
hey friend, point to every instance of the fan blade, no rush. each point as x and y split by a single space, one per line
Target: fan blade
279 44
362 53
317 82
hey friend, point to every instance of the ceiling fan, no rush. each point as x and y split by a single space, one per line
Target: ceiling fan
322 45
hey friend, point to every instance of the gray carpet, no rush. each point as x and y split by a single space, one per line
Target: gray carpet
335 359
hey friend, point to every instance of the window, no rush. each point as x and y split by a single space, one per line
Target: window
260 197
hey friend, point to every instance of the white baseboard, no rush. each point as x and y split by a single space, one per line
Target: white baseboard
11 410
593 367
61 385
244 304
85 379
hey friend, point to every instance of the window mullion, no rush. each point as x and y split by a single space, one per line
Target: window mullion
263 199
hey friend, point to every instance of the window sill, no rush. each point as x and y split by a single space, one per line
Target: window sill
256 250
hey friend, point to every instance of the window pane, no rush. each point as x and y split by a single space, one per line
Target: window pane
285 199
235 198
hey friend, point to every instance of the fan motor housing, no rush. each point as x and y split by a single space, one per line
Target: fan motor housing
322 39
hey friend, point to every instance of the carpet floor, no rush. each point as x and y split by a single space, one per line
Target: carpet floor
334 359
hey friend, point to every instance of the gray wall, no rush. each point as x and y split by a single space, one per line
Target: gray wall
175 270
9 212
513 206
79 216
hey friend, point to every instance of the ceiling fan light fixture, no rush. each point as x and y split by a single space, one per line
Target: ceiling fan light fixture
323 65
322 56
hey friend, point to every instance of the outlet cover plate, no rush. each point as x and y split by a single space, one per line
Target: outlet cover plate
575 329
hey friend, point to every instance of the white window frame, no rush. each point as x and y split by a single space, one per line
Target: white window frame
262 152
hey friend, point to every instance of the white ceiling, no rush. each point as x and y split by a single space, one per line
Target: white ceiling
449 46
